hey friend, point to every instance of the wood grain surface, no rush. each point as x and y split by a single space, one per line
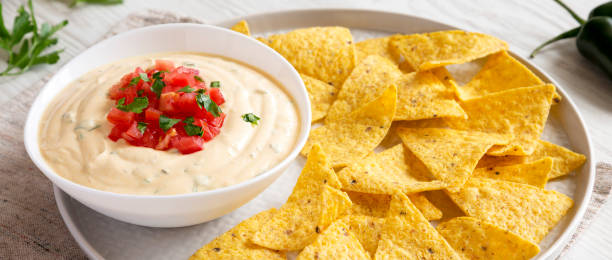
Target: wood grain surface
523 24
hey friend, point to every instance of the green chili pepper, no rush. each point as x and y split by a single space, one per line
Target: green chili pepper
593 36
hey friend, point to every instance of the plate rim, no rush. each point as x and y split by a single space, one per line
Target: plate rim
554 249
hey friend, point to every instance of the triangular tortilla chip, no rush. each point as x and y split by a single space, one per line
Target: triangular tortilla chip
431 50
450 155
311 207
528 211
475 239
374 46
235 244
520 112
367 81
377 205
446 78
443 202
358 133
421 96
324 53
321 96
336 242
385 172
406 234
366 229
429 210
500 72
533 173
242 27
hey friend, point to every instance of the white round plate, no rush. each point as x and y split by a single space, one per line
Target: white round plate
104 238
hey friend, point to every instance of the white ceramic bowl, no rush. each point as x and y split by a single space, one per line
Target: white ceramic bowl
183 209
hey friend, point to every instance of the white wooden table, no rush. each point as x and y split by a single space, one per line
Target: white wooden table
523 24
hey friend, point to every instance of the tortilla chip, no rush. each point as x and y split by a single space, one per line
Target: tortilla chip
311 207
446 78
321 96
525 210
475 239
431 50
500 72
496 161
367 230
336 242
423 123
429 211
564 160
358 133
421 96
242 27
374 46
385 172
520 112
366 204
324 53
533 173
367 81
406 234
235 243
450 155
443 202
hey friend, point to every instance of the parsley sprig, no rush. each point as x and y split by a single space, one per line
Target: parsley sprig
26 42
251 118
204 101
137 105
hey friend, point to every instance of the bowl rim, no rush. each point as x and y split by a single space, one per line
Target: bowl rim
32 144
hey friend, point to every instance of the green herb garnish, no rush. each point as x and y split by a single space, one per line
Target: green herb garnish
142 126
24 53
205 102
192 129
186 89
100 2
144 77
166 123
140 92
215 84
201 91
136 106
251 118
158 85
198 78
134 80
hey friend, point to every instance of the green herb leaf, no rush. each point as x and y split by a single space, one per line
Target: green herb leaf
189 120
186 89
198 78
134 80
144 77
157 86
192 129
142 126
205 102
140 92
215 84
251 118
166 123
136 106
201 91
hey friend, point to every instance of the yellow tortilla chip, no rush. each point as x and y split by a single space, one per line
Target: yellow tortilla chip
366 229
321 96
242 27
429 211
324 53
366 204
525 210
358 133
375 46
533 173
311 207
450 155
431 50
336 242
385 172
443 202
406 234
421 96
367 81
520 112
475 239
500 72
235 244
423 123
446 78
495 161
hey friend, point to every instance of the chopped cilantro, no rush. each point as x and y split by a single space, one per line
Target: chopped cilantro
166 123
136 106
142 126
158 85
140 92
189 120
186 89
205 102
250 118
144 77
198 78
201 91
192 129
215 84
134 81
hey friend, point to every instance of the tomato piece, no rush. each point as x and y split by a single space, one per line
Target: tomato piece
215 95
167 100
115 133
133 132
187 103
152 114
120 118
164 143
164 65
189 144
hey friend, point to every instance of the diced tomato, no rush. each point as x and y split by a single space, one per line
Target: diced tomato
189 144
149 138
115 133
120 118
215 95
164 65
133 131
152 114
187 102
178 79
165 142
166 101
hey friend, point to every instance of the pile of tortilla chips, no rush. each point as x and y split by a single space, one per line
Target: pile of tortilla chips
406 163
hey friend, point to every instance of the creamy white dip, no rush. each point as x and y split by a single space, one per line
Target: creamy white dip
73 132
